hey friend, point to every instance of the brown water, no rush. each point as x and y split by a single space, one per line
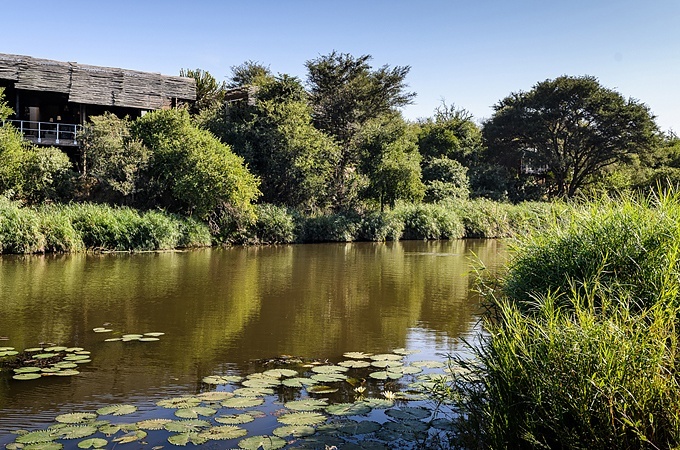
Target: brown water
223 308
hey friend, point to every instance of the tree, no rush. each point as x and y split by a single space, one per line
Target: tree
566 131
209 91
445 178
247 74
346 93
451 134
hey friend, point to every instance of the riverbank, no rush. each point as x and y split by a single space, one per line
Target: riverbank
80 227
582 343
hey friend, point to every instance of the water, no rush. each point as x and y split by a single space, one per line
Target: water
223 308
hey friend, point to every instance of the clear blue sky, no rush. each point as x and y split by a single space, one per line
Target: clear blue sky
470 53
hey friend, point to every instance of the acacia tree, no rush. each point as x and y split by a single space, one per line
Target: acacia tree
568 130
346 93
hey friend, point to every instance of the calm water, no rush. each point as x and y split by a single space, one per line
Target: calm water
223 308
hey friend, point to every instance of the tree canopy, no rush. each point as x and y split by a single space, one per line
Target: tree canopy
566 131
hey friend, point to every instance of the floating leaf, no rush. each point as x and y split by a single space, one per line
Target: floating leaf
357 355
113 339
27 376
329 369
406 370
328 377
253 392
179 402
354 364
93 443
404 352
428 364
75 357
194 412
75 417
44 446
6 349
387 357
262 442
298 382
365 444
321 389
45 356
280 373
385 375
235 419
67 373
148 339
216 379
363 427
55 349
35 437
65 365
443 424
152 424
214 396
111 429
101 330
9 353
154 334
186 438
132 436
132 336
224 432
33 349
242 402
50 370
302 418
406 413
308 404
293 430
386 363
117 410
186 426
27 370
262 382
74 349
77 431
348 409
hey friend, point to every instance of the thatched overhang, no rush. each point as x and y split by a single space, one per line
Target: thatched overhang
95 85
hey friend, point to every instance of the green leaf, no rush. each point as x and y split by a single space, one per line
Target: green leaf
186 438
35 437
186 426
242 402
153 424
280 373
77 431
387 357
93 443
353 427
235 419
294 430
27 376
406 413
321 389
308 404
354 364
253 392
75 417
357 355
329 377
298 382
216 379
262 443
195 411
117 410
179 402
132 436
348 409
302 418
329 369
224 432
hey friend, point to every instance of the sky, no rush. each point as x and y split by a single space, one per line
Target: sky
470 54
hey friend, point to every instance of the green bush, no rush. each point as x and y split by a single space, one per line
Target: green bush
331 228
430 222
381 226
19 229
60 235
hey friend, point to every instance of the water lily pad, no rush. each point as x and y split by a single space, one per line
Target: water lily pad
404 352
93 443
328 377
406 370
117 410
357 355
386 363
385 375
77 431
6 349
50 370
152 424
75 417
321 389
280 373
44 446
9 353
132 436
302 418
101 330
308 404
354 427
154 334
223 432
34 437
378 403
55 349
408 413
33 349
65 365
148 339
27 369
112 429
113 339
186 426
74 349
235 419
195 411
27 376
355 364
294 430
262 442
44 355
365 444
76 357
67 373
387 357
298 382
262 382
242 402
82 361
179 402
253 392
428 364
132 336
348 409
216 379
444 424
329 369
214 396
183 439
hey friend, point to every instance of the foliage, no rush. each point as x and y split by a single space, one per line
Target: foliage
445 178
422 221
191 171
451 134
381 226
346 93
113 158
5 110
248 73
331 228
209 92
566 131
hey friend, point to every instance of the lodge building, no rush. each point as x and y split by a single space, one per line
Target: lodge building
53 99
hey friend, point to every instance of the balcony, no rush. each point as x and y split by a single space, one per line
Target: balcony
49 133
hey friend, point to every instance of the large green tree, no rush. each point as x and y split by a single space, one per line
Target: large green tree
566 131
346 93
209 91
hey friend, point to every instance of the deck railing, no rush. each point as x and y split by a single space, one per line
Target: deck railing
49 132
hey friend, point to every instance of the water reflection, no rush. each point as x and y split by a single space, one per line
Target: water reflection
221 308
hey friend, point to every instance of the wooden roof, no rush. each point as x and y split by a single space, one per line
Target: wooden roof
95 85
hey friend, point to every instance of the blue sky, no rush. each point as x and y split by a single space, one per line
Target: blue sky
468 53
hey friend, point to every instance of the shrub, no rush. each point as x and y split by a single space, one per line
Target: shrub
19 229
332 228
381 226
430 222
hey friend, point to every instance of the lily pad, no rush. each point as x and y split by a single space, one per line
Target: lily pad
235 419
27 369
195 411
444 424
186 426
406 370
328 377
154 334
329 369
65 365
6 349
113 339
117 410
385 375
308 404
355 364
363 427
428 364
9 353
132 436
102 330
111 429
348 409
386 363
75 417
404 352
262 442
321 389
379 403
214 396
27 376
216 379
302 418
179 402
93 443
44 446
183 439
148 339
76 357
280 373
387 357
262 382
242 402
44 356
406 413
152 424
67 373
74 349
77 431
34 437
55 349
132 336
298 382
224 432
357 355
253 392
33 349
293 430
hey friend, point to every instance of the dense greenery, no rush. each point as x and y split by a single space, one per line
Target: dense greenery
582 341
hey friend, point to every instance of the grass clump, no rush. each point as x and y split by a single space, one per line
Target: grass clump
430 221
